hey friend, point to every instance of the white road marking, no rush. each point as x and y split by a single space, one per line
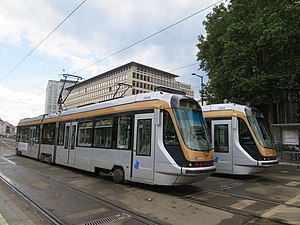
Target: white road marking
242 204
293 183
7 160
293 213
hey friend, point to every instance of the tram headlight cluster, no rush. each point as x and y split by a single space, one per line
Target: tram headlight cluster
201 164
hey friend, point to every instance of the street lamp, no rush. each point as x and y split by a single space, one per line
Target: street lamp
194 74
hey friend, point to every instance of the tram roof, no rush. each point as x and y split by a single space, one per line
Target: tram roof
225 107
122 101
144 97
36 118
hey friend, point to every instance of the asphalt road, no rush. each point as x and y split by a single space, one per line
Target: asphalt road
77 197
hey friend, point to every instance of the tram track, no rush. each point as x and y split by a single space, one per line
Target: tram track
107 203
199 198
44 213
246 213
186 193
254 199
254 215
190 194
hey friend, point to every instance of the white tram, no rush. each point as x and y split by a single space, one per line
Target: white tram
241 139
154 138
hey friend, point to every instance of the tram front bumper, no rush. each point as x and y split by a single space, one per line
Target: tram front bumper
267 163
197 170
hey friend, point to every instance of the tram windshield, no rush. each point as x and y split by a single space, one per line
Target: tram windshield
192 128
259 127
261 131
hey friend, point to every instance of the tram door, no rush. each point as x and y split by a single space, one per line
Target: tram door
143 147
69 143
32 145
222 143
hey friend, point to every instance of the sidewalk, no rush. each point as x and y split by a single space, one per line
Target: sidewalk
14 210
289 164
10 214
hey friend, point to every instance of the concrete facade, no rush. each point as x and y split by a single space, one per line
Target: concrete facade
6 129
52 93
141 78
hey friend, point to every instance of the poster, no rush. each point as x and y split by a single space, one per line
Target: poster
291 137
22 146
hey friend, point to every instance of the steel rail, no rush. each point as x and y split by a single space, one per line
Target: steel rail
114 206
44 213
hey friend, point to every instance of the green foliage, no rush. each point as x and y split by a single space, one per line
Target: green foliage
251 50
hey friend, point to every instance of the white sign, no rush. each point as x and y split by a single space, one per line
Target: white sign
22 146
291 137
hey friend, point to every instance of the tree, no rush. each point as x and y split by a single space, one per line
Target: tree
251 51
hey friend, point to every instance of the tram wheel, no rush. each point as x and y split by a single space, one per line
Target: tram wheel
118 175
42 157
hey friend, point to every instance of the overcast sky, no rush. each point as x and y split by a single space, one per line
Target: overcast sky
97 30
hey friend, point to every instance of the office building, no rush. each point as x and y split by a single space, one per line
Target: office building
129 79
52 93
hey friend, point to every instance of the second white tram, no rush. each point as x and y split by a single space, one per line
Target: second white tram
241 139
154 138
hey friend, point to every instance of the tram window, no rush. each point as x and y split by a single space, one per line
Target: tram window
208 123
73 136
170 137
23 134
48 133
61 132
123 132
221 138
103 133
66 146
37 135
85 134
245 136
144 137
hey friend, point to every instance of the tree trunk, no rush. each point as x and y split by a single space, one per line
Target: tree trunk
270 110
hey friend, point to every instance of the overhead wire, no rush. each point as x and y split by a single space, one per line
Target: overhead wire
183 67
115 53
148 37
144 39
42 41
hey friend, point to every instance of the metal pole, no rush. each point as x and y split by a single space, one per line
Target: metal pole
202 91
194 74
